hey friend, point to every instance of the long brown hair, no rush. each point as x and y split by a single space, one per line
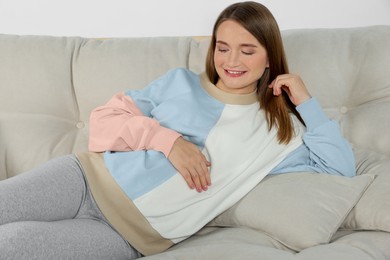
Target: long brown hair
259 21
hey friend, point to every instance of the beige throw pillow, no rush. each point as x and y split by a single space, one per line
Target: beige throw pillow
372 212
300 210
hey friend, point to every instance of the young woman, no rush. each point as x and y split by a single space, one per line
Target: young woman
167 159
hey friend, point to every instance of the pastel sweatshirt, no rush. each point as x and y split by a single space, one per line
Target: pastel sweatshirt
147 200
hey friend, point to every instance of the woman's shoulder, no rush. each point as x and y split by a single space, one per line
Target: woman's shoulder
175 82
181 79
182 74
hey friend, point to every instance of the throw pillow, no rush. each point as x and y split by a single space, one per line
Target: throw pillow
372 212
300 210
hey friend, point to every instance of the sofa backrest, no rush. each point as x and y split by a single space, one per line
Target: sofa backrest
49 85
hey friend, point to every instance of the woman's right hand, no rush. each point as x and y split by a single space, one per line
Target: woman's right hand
191 164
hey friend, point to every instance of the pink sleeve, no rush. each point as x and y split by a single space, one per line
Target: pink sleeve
121 126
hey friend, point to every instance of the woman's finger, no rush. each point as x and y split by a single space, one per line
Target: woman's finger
293 86
187 177
190 163
204 176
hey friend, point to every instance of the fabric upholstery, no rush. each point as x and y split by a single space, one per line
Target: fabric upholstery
372 212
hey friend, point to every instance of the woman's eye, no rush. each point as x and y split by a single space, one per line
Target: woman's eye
222 50
247 52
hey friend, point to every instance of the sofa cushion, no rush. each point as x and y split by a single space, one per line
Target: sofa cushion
298 209
227 244
37 108
372 212
346 69
49 85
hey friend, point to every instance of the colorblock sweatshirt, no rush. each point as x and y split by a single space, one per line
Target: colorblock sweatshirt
142 194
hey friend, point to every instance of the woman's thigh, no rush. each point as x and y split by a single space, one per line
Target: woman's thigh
66 239
50 192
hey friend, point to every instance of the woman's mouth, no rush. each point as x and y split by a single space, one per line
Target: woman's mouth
234 73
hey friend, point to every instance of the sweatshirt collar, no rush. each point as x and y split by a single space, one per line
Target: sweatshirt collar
226 97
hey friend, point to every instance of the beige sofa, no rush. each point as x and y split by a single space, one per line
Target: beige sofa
48 86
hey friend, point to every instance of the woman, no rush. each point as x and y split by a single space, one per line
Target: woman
167 159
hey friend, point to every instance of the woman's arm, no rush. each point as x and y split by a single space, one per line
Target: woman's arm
126 123
120 125
324 148
328 150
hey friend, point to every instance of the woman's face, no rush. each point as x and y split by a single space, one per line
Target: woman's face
240 60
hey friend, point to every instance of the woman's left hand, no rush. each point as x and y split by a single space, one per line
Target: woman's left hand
293 86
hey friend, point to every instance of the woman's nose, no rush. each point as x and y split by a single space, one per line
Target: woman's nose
233 59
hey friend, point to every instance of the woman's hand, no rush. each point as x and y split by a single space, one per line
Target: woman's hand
191 164
293 86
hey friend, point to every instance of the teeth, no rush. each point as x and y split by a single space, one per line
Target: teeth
234 72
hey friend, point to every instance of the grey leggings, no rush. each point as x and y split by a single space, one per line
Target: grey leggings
48 213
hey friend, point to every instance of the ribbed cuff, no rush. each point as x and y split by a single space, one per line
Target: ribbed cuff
163 139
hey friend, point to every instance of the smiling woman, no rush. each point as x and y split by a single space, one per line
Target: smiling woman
183 149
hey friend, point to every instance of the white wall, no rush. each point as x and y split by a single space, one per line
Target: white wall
125 18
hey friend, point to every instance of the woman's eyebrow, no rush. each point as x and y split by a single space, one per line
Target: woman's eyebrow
248 45
222 42
241 45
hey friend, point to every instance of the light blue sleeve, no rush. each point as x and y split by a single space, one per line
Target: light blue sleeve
323 150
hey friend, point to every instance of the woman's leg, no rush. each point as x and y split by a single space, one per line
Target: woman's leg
53 191
66 239
49 213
